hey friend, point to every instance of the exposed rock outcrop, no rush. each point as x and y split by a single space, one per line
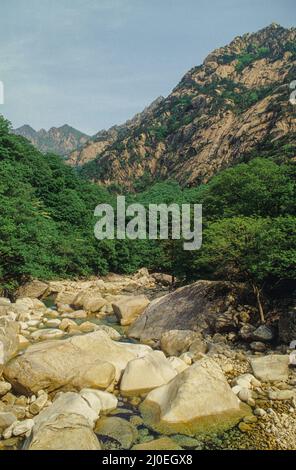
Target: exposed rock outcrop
193 307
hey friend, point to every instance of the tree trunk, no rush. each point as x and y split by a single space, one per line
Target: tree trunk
260 307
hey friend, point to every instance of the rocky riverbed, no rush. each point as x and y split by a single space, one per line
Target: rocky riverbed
124 362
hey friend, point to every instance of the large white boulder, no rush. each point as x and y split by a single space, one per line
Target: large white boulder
143 374
199 400
271 368
88 361
129 308
66 425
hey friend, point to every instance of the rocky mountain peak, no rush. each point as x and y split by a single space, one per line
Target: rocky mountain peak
60 140
232 106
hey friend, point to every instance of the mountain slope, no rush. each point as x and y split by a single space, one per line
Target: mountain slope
104 139
233 106
59 140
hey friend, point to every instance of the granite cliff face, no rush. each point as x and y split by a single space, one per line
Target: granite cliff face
232 107
106 138
59 140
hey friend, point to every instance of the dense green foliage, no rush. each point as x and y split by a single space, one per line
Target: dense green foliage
47 222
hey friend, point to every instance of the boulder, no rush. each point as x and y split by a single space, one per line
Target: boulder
176 342
193 307
23 342
65 425
177 364
246 332
52 322
23 427
199 400
225 322
88 361
164 279
6 420
94 304
46 333
117 428
9 341
66 324
258 346
111 332
128 309
281 394
108 402
271 368
39 404
143 374
66 297
76 315
4 388
33 289
263 334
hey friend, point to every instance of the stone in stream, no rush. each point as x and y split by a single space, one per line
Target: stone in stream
271 368
52 322
199 400
163 443
128 309
76 315
92 360
117 428
47 333
66 323
94 304
143 374
65 425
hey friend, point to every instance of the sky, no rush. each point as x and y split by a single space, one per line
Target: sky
95 63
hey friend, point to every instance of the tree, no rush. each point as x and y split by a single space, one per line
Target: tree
253 250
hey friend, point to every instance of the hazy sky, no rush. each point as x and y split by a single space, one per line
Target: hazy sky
95 63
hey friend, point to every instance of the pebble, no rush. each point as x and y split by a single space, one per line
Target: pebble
4 388
250 419
259 412
53 323
244 427
187 357
258 346
38 404
23 427
281 394
245 394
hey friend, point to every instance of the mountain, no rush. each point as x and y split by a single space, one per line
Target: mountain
59 140
105 138
229 109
